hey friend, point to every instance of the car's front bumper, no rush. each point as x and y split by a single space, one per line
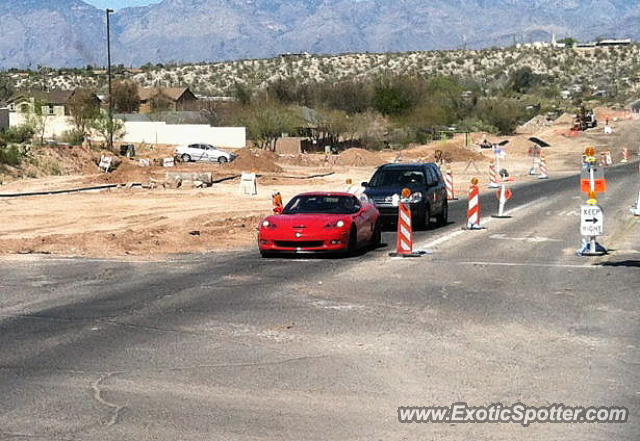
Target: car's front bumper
329 241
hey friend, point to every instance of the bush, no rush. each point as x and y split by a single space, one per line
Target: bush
11 155
503 114
18 135
73 137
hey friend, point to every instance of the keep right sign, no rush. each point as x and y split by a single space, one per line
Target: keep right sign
591 220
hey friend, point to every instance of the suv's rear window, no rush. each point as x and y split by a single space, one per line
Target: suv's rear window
397 177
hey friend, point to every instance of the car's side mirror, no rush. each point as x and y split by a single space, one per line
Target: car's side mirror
365 184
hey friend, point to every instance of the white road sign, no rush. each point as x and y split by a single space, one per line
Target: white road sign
591 220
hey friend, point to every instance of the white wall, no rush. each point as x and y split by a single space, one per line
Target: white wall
153 132
54 127
162 133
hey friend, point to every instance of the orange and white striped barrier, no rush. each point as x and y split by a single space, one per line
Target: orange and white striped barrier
625 155
473 211
543 167
404 246
448 179
493 176
405 228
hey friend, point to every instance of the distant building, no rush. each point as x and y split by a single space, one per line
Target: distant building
613 42
174 99
54 103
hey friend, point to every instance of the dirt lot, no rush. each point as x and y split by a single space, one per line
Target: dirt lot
154 222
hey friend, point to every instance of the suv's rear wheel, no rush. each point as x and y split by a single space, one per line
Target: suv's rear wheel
222 160
185 158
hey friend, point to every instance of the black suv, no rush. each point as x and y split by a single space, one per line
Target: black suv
426 183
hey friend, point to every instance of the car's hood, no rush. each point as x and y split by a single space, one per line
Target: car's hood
306 220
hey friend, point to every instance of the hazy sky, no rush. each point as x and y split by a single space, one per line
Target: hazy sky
117 4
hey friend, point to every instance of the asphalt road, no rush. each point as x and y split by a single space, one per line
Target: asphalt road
233 347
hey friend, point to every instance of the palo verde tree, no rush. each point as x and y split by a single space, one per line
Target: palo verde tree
266 124
105 126
37 119
84 107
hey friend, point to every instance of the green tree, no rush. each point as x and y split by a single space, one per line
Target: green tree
568 42
6 88
242 93
393 97
524 79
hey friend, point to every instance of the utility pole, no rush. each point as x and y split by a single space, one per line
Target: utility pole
110 140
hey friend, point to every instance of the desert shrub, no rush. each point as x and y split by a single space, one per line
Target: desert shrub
11 155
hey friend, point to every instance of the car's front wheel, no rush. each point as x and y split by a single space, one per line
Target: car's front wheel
185 158
424 222
353 241
443 218
222 160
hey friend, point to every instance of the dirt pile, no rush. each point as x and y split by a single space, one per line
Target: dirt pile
55 161
535 124
565 119
452 151
357 157
255 160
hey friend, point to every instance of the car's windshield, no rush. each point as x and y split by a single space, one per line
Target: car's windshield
397 178
322 204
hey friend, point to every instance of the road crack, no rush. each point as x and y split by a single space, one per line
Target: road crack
98 390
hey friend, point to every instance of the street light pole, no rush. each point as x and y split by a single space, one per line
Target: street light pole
109 12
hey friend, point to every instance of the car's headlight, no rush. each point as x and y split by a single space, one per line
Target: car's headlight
266 224
338 224
415 197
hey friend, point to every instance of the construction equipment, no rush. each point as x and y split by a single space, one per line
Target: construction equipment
585 119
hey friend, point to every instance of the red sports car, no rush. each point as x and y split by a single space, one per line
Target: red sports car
321 222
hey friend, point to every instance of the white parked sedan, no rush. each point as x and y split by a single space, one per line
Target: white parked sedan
204 152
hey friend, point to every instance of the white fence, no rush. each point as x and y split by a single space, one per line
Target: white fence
153 132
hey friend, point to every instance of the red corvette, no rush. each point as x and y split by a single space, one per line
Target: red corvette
321 222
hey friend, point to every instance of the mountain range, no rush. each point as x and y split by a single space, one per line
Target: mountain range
73 33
